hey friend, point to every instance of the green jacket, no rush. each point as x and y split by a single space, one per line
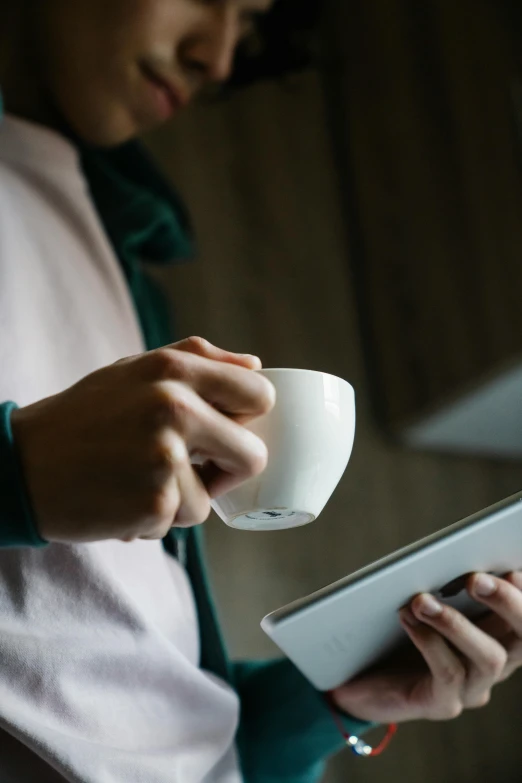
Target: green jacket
286 731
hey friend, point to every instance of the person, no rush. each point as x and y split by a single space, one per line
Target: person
112 664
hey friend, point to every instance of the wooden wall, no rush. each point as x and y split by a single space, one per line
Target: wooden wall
421 97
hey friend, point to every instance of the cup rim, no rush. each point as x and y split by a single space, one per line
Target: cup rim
297 370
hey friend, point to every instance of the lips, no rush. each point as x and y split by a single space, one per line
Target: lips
168 98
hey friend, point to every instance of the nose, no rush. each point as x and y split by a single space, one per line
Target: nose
210 51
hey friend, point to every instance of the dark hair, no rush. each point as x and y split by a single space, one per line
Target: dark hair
282 43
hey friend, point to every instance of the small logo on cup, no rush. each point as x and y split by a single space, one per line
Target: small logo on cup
270 514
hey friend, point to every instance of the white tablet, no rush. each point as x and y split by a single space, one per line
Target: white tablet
335 633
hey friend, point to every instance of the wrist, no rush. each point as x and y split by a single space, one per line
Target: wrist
352 737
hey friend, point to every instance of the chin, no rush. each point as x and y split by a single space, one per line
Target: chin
106 134
101 127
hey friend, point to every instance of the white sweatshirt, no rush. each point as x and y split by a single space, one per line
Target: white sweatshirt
99 644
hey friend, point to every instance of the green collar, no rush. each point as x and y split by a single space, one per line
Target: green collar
144 217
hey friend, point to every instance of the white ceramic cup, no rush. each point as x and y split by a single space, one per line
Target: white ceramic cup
309 435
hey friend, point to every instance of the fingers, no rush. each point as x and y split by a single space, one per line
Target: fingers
201 347
194 502
232 389
483 652
485 658
502 596
180 498
514 662
237 453
442 697
505 620
201 396
234 451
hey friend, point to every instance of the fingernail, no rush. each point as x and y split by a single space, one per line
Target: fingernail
484 585
429 606
408 617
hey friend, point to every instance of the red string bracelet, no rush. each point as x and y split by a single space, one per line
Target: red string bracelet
356 744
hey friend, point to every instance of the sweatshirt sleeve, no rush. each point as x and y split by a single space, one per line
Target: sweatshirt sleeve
17 526
286 730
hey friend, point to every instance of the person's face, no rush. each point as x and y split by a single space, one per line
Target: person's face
116 68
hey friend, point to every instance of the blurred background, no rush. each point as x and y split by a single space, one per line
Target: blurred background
363 216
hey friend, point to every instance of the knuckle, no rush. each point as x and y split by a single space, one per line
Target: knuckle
196 344
452 619
480 701
452 675
172 403
170 363
449 709
453 710
194 513
168 452
511 667
496 662
160 361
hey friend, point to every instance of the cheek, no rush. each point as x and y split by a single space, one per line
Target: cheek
89 88
90 55
99 38
160 25
87 64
